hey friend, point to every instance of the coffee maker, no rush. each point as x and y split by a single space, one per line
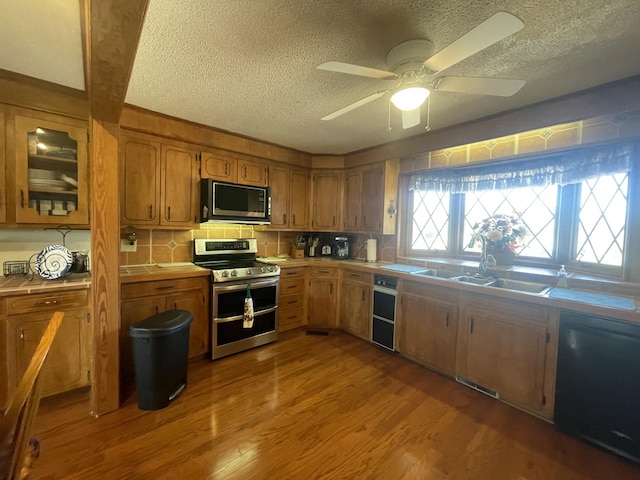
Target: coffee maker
341 250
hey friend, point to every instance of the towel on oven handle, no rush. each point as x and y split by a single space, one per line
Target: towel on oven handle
247 321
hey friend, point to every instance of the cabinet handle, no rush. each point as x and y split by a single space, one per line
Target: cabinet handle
334 220
447 323
290 317
169 212
226 169
156 309
45 303
363 295
294 219
364 221
21 198
471 326
292 301
22 334
292 286
244 171
284 218
331 288
166 287
175 305
150 212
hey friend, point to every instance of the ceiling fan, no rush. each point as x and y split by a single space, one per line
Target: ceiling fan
415 69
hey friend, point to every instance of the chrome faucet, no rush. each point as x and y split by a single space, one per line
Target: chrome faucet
485 260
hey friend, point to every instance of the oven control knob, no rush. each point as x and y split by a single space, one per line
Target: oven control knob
249 271
224 273
263 269
234 273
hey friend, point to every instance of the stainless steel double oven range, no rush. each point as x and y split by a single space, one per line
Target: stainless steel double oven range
235 272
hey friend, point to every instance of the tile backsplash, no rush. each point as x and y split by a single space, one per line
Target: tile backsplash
170 246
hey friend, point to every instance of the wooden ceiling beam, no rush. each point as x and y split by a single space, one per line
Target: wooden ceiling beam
111 31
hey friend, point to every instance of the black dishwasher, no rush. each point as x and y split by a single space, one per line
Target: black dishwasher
598 382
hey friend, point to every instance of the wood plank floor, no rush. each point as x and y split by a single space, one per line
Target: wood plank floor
315 407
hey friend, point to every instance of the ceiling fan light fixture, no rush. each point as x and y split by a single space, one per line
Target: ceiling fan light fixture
410 98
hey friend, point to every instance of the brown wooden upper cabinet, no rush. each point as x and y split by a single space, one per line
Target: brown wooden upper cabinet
327 193
159 182
364 197
3 184
48 160
368 192
289 198
234 168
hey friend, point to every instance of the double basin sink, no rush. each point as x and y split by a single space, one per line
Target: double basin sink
504 283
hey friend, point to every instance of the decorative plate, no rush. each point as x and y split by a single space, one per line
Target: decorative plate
53 262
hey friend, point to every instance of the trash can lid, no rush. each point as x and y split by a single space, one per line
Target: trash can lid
162 324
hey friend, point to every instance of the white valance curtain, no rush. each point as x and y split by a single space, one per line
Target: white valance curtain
564 168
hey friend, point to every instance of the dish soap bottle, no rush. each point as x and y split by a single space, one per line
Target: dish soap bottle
562 277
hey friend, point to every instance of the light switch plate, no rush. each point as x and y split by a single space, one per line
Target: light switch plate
126 246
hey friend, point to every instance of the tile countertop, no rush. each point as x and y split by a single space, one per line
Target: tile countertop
21 284
546 300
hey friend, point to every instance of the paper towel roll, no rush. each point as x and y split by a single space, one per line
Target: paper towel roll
372 249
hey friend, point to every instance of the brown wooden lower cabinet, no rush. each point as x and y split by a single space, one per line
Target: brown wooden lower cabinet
144 299
355 303
291 299
68 362
427 325
502 346
323 296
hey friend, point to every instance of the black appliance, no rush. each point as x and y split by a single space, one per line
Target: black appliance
385 291
232 203
598 382
341 248
234 269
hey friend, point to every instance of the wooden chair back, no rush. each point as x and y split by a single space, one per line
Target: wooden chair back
17 451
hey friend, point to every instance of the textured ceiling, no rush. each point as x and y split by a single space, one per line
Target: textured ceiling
249 67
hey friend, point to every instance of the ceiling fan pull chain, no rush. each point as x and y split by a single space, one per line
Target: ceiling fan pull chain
389 117
428 127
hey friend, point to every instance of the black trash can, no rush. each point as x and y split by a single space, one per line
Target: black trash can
161 352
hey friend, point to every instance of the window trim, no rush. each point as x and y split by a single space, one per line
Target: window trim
565 227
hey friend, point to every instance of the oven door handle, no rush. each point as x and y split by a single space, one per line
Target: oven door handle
241 317
243 286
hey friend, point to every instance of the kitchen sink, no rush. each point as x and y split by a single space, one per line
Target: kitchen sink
519 285
436 273
484 281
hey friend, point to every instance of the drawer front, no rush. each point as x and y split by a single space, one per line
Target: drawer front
290 301
291 285
357 276
324 271
290 318
143 289
291 272
47 301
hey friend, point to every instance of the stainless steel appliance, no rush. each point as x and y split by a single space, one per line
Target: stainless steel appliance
234 269
230 202
383 324
341 250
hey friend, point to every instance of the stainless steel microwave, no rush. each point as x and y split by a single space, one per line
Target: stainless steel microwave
222 202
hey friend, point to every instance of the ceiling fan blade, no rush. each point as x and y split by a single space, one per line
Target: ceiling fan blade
355 105
501 87
491 31
410 118
356 70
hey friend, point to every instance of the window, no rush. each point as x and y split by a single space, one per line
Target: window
575 210
430 225
535 206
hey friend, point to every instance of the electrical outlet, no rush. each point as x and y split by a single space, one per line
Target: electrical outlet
127 246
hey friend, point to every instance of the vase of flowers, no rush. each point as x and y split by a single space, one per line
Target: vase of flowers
503 234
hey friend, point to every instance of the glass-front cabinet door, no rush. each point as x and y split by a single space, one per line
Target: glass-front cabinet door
51 172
